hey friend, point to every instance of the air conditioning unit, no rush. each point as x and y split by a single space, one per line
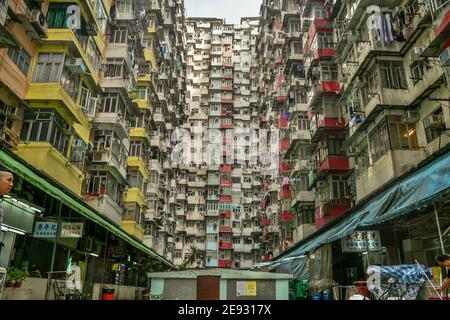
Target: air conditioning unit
39 23
76 65
416 53
434 121
411 116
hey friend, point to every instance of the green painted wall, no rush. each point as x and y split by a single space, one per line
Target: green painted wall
223 289
157 287
282 287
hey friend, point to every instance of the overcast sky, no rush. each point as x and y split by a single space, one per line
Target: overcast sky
231 10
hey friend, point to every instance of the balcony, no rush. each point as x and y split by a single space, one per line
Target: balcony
324 53
303 197
330 210
106 206
213 213
388 167
285 193
223 245
112 118
224 263
320 125
43 156
225 229
225 168
225 214
334 164
212 230
286 217
133 229
56 92
195 216
212 263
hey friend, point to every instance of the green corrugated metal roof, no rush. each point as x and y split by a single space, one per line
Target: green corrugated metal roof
39 180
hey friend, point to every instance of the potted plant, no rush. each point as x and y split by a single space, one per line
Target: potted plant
15 277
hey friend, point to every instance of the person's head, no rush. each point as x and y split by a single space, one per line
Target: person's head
443 260
6 182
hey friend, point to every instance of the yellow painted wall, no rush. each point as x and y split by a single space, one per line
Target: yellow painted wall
135 195
132 228
43 156
139 163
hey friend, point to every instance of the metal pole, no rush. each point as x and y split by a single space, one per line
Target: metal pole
439 228
54 252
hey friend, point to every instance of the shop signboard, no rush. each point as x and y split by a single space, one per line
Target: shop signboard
362 241
72 229
43 229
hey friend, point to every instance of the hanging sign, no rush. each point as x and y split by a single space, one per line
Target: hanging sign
44 229
71 230
362 241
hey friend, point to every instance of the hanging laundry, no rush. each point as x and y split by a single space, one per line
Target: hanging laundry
286 181
389 31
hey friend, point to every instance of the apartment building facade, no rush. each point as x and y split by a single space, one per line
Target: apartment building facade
91 92
218 207
355 109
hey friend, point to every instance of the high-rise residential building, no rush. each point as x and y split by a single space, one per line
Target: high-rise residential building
357 105
91 92
219 202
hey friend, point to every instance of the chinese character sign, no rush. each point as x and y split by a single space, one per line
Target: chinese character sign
360 241
45 229
71 230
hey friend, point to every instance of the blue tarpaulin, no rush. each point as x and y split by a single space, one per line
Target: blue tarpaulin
421 187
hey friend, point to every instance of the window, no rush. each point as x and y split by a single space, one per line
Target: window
393 74
379 141
70 82
324 40
124 6
141 93
120 35
115 68
46 126
21 59
49 67
303 122
58 15
307 215
135 179
329 73
338 188
102 182
236 240
77 152
434 131
402 135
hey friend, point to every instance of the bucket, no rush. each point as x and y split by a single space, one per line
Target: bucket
316 297
327 296
108 294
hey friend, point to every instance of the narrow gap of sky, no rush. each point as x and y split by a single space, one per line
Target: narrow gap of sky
230 10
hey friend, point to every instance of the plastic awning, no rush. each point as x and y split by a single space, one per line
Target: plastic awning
421 187
37 179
